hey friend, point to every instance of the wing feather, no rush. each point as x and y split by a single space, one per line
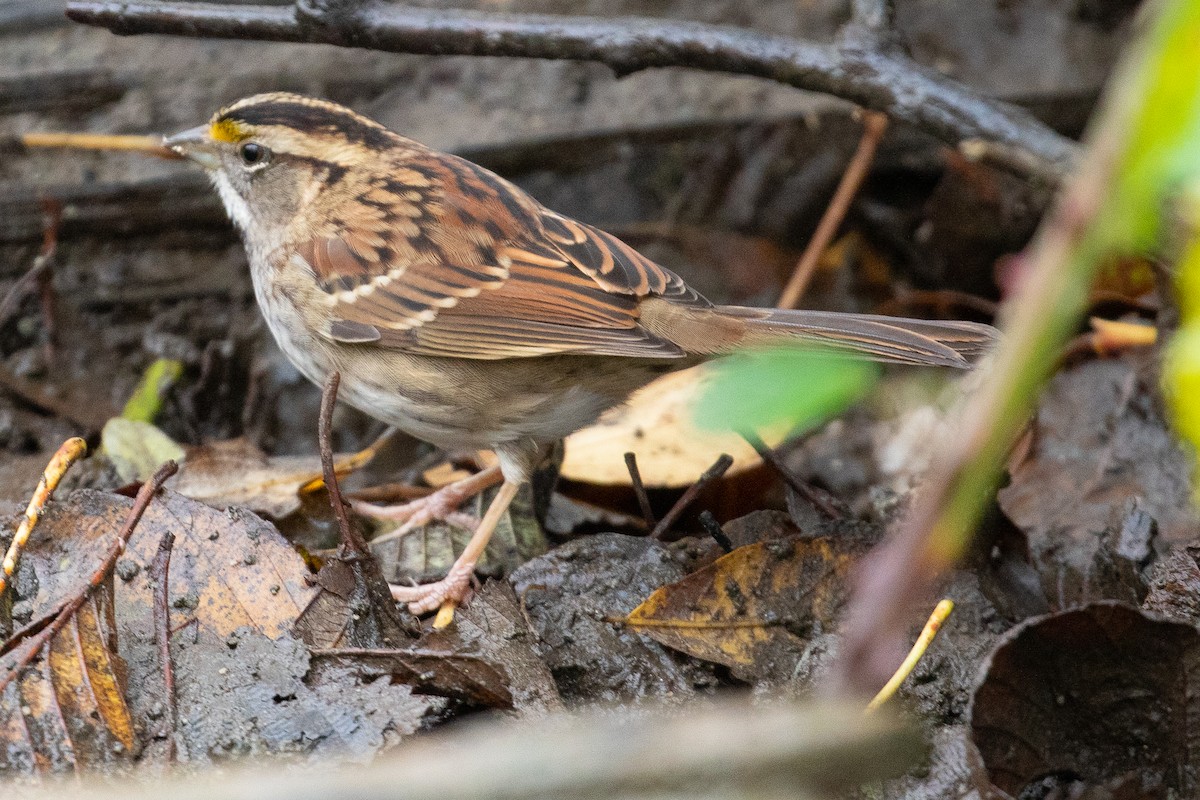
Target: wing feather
491 273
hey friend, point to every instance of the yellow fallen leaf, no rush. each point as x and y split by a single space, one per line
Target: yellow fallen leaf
750 608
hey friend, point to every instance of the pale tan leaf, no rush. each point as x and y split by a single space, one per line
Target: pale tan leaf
656 425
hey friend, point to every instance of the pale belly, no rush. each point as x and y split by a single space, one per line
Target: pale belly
463 403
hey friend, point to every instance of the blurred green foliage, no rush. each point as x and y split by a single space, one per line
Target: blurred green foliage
786 386
1160 185
146 400
1162 154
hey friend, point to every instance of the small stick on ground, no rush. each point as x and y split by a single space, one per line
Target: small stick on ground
66 455
38 273
936 620
38 634
810 493
639 489
713 529
160 569
391 492
711 474
352 541
874 125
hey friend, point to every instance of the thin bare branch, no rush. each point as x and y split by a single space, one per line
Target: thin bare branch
874 126
639 489
879 78
719 468
353 543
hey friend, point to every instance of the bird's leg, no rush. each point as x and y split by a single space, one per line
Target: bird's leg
447 593
441 505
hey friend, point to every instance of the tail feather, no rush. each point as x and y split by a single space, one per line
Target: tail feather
888 339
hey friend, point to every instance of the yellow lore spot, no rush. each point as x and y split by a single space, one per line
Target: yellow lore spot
227 130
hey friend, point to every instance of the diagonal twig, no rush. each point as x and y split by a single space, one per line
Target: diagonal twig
639 489
719 467
809 493
67 454
37 634
352 541
874 126
160 569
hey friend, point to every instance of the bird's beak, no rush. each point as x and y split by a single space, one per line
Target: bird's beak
195 144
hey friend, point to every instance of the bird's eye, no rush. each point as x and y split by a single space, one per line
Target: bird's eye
254 154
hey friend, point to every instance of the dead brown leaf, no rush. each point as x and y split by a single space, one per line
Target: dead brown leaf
229 570
1104 485
754 609
66 710
493 626
1089 702
237 473
467 677
243 683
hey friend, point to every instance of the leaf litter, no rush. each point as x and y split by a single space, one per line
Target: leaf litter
1135 536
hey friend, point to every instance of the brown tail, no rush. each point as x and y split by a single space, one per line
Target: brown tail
888 339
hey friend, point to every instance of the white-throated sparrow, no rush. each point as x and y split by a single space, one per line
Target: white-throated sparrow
459 309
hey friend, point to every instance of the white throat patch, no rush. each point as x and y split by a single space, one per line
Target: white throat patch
235 204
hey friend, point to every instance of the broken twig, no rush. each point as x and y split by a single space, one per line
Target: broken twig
718 469
66 455
713 529
148 145
810 493
352 541
51 225
928 634
639 489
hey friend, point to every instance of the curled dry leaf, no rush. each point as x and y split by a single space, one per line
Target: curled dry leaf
238 473
755 609
1091 701
656 424
66 710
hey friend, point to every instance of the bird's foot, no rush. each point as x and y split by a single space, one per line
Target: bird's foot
444 595
442 506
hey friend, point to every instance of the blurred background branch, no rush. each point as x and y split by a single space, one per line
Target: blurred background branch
862 69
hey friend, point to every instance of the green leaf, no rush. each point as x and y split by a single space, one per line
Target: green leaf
147 398
757 389
1163 146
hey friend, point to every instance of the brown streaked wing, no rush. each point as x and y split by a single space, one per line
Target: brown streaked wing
613 264
492 274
